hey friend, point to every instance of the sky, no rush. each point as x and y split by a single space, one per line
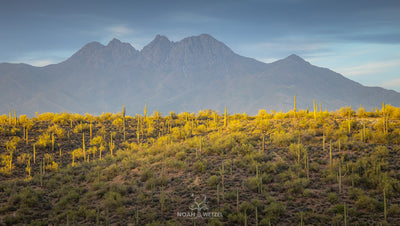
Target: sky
358 38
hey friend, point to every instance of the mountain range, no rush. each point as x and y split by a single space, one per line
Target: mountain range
196 73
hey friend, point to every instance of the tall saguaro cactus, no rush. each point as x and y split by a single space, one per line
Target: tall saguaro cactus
295 107
145 111
330 154
225 118
384 204
123 118
315 111
9 117
83 146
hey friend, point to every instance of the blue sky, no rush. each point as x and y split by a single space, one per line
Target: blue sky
359 39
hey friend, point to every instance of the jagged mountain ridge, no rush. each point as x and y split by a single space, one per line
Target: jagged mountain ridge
198 72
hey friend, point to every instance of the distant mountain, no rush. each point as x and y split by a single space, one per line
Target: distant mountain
195 73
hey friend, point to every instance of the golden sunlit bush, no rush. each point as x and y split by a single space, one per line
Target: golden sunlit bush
82 127
44 140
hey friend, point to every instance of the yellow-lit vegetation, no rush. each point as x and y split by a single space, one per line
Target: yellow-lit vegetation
297 167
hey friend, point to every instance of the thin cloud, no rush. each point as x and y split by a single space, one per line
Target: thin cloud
36 62
369 68
120 30
392 84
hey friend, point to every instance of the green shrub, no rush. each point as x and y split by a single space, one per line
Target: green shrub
150 183
253 183
27 197
307 193
332 198
113 200
146 174
181 155
213 181
355 193
366 203
231 195
338 208
70 198
246 207
393 210
275 209
200 167
296 186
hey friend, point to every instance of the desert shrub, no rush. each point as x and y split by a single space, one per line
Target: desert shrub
162 181
146 174
27 197
332 198
81 127
394 210
71 197
314 167
176 164
55 129
338 209
253 183
112 200
52 166
283 138
150 183
237 218
23 158
235 126
381 152
213 181
274 209
44 140
11 145
355 193
111 171
230 195
366 203
307 193
296 186
246 207
329 176
97 140
215 222
181 155
267 178
294 148
200 167
118 122
243 148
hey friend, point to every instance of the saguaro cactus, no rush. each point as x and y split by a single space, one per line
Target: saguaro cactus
315 111
345 214
340 177
123 118
145 111
225 118
112 145
9 117
237 200
83 146
34 154
52 141
384 204
330 154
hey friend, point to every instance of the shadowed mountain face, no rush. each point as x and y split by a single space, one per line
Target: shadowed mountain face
195 73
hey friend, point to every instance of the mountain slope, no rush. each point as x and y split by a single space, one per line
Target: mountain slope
195 73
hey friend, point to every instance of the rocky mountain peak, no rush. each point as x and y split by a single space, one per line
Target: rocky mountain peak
295 58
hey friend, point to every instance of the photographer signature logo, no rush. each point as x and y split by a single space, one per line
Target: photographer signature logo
199 209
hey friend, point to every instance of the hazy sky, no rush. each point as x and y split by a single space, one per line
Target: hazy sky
359 39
